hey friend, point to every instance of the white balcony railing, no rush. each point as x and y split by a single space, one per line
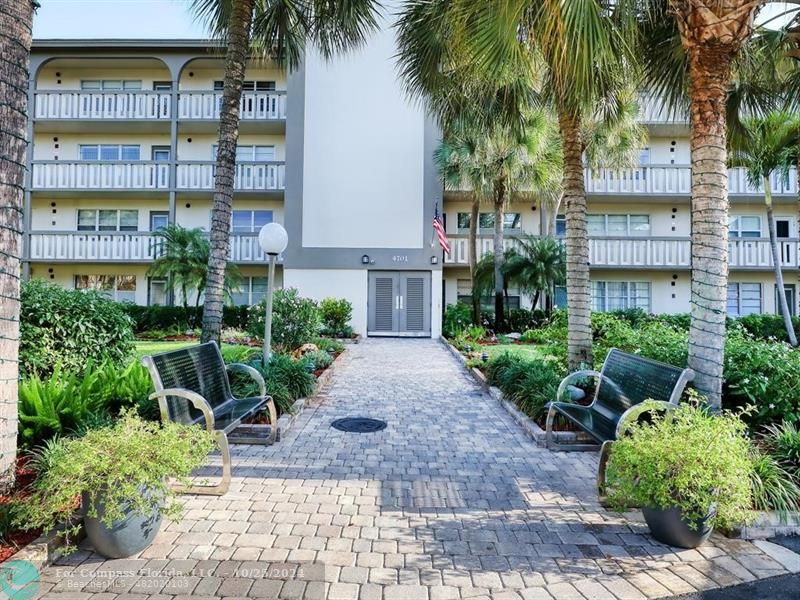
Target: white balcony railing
95 175
653 111
249 176
112 246
78 104
649 252
253 106
676 180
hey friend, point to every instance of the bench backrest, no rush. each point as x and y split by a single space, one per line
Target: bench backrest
199 369
630 379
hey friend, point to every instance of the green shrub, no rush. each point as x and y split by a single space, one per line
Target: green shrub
329 344
529 382
286 380
336 314
295 320
522 319
240 354
767 327
177 319
457 317
635 317
663 342
773 488
320 359
70 327
783 444
685 458
60 404
763 374
120 388
115 463
609 332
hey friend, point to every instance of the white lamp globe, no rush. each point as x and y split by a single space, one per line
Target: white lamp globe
273 238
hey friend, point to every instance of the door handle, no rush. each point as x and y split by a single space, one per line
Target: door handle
401 302
397 302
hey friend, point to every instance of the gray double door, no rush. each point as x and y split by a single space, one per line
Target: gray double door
399 303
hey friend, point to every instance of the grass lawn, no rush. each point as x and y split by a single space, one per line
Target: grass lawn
524 350
143 348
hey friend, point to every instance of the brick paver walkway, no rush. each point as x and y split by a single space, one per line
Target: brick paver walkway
452 500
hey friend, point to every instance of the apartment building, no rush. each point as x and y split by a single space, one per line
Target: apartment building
123 143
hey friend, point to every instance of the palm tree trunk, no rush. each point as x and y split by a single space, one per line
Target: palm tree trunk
709 71
473 259
499 301
776 261
235 63
535 300
579 288
16 17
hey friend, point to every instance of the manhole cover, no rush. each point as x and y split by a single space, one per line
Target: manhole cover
358 425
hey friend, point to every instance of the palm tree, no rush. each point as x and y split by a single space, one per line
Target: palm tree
769 145
573 49
537 266
276 29
16 19
498 163
183 261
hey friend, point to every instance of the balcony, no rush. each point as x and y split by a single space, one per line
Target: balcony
675 180
250 177
652 111
254 106
58 175
128 247
95 105
649 252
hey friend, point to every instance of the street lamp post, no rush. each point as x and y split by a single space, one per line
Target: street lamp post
273 240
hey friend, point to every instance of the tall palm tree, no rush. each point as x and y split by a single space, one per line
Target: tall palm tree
276 29
16 19
183 262
537 266
498 163
577 53
769 145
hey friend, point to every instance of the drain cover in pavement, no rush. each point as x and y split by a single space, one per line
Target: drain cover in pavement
358 425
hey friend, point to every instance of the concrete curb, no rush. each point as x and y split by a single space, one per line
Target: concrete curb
530 426
767 525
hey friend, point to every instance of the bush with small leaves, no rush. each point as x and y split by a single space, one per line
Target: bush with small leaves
336 314
295 320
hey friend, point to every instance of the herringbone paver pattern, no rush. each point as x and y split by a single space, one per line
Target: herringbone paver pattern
452 500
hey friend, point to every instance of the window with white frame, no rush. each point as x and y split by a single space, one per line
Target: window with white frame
252 290
157 292
618 225
486 221
92 219
121 288
111 84
744 299
561 225
464 292
745 226
620 295
110 152
250 153
250 221
249 86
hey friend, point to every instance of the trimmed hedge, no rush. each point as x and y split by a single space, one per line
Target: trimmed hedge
149 318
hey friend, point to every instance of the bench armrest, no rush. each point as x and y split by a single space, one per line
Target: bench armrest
196 399
632 415
572 376
254 374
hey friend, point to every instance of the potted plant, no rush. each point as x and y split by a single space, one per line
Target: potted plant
687 468
118 477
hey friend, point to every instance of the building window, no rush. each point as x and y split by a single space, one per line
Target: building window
251 291
618 225
250 153
162 86
745 227
561 225
744 299
156 292
620 295
121 288
107 220
511 221
464 291
560 300
791 298
111 84
160 153
250 221
248 86
110 152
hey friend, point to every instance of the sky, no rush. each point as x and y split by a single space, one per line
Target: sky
142 19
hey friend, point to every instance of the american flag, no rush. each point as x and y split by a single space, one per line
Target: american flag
438 229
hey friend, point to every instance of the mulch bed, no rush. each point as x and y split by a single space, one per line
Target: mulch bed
13 541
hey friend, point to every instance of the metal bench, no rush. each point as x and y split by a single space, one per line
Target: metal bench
192 387
625 381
